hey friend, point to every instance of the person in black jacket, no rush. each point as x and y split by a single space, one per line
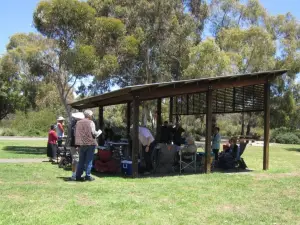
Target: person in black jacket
177 135
165 133
74 149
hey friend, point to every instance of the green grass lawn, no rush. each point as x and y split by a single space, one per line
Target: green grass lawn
38 194
22 149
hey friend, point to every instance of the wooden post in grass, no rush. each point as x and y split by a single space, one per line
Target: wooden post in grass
207 163
266 125
135 135
128 119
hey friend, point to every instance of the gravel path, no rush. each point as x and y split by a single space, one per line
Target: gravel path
8 138
23 160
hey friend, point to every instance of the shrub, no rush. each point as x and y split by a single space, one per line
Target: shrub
8 132
288 138
34 123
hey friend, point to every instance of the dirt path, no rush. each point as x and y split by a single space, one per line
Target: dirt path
10 138
23 160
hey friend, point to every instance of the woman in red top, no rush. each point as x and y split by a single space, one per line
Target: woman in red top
52 144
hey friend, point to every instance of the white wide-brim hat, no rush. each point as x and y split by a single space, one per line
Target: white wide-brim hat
60 118
78 115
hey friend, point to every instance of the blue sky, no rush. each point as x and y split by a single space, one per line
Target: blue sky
16 15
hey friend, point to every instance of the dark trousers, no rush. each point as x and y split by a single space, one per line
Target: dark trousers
148 156
216 152
86 156
59 142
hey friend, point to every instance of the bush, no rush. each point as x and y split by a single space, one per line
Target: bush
33 123
285 136
8 132
288 138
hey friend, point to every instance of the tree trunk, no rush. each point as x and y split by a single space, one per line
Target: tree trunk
145 111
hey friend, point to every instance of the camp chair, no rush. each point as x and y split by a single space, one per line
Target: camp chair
187 160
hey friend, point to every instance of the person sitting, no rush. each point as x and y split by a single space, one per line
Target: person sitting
230 154
234 148
165 133
190 147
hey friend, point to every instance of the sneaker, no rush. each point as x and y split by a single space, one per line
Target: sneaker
72 178
89 178
79 179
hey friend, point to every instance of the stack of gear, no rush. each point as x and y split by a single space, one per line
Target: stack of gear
105 162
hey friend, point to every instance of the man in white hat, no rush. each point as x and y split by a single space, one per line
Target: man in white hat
85 137
60 130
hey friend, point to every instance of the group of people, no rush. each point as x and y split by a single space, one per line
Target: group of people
83 143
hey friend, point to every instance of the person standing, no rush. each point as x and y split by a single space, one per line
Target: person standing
216 141
60 130
148 144
74 148
85 137
51 145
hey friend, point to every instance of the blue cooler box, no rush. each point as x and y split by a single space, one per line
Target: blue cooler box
126 167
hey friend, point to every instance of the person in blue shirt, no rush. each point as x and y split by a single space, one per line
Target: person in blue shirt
216 141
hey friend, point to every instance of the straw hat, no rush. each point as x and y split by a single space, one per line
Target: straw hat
60 118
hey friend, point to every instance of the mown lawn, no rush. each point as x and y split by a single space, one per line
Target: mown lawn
22 149
38 194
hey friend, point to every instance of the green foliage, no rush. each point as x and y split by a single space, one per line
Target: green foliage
129 46
285 136
8 132
115 116
288 138
34 123
208 60
64 20
82 60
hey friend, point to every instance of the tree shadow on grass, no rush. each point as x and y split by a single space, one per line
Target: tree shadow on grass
293 149
26 150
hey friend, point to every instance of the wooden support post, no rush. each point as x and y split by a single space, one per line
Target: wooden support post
171 110
266 125
135 134
101 125
128 119
128 123
158 119
207 165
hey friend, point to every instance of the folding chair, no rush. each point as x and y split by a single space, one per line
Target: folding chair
187 160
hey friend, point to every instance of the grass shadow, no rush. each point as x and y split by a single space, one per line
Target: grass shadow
293 149
67 179
25 150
